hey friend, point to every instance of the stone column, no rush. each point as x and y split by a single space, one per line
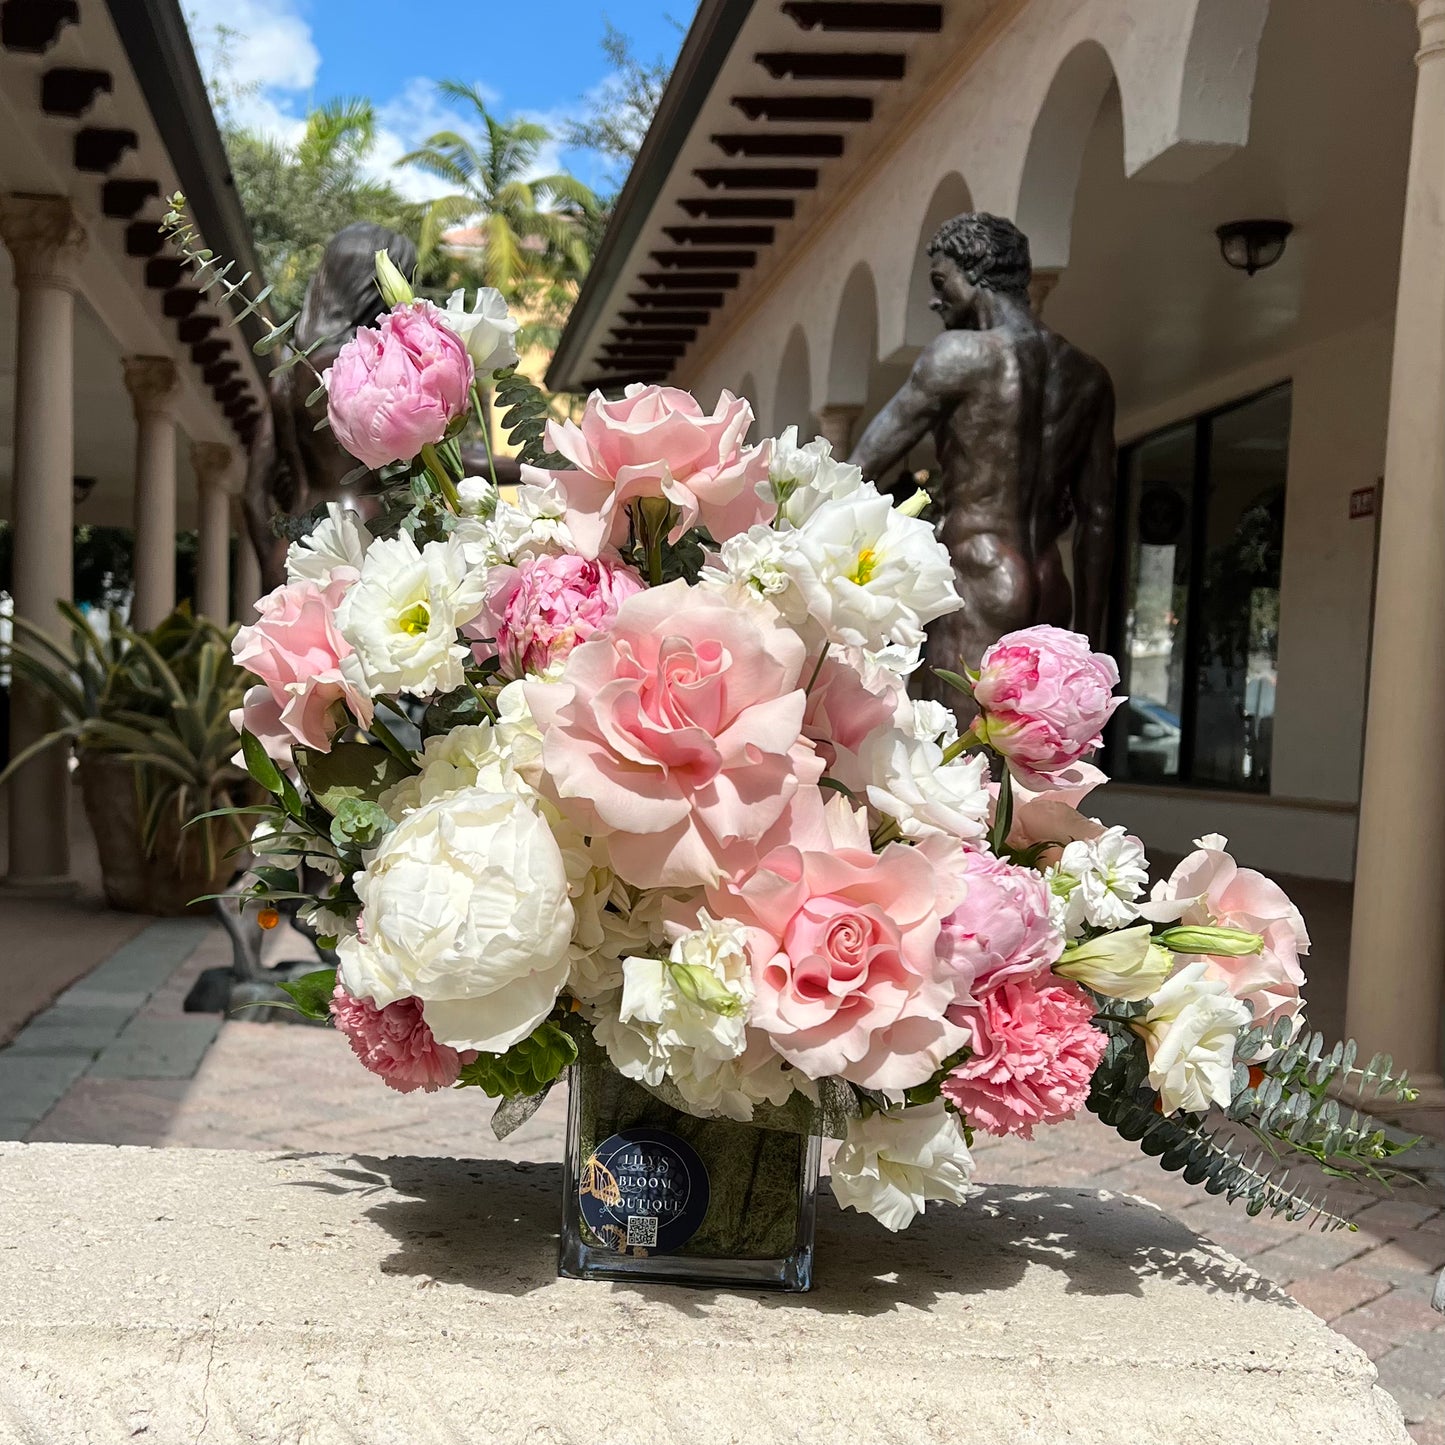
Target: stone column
248 572
1397 945
1041 287
46 241
153 383
835 425
212 463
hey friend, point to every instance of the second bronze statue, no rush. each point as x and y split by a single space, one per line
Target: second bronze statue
1023 427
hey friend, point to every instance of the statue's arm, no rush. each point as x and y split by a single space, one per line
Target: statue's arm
913 412
1094 502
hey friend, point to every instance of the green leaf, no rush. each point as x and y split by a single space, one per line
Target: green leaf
526 1068
358 823
259 763
349 770
1003 815
312 992
954 680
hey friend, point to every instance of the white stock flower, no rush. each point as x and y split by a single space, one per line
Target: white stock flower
465 907
533 523
1190 1032
801 477
487 330
338 541
1097 881
909 781
752 560
926 720
402 615
890 1163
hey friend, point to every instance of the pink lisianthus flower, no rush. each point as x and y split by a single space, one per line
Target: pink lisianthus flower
1043 700
398 386
1210 888
656 441
676 734
1001 932
308 670
395 1043
844 950
1034 1050
545 606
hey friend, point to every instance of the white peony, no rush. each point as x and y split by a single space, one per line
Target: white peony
337 543
909 782
488 330
1097 882
1190 1032
802 477
403 613
465 907
890 1163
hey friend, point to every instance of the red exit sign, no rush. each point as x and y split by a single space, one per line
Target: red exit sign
1362 502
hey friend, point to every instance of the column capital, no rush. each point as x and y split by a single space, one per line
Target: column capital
154 383
1430 16
213 464
1041 287
836 421
45 236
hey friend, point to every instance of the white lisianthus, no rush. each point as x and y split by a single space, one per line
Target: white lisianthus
1127 964
487 330
465 907
909 782
1190 1033
890 1163
476 497
1097 881
337 543
403 613
801 477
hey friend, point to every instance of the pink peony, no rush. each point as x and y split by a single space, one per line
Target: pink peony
398 386
656 441
1034 1052
1001 932
1043 700
843 944
676 735
396 1043
545 607
1209 887
305 666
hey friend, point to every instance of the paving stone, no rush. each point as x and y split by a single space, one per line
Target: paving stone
31 1087
158 1048
1391 1216
1405 1258
1331 1293
149 959
1401 1312
1309 1253
69 1029
1415 1368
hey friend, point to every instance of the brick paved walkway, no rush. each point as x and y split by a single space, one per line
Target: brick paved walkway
117 1061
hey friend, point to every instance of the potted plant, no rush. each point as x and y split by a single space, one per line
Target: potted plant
149 717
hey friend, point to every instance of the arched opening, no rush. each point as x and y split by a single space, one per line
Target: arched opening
792 396
951 197
748 390
855 340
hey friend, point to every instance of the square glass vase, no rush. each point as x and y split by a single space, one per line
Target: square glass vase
651 1193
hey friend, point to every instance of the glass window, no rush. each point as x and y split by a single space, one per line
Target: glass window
1202 530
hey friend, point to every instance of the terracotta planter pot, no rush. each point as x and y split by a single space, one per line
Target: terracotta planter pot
133 882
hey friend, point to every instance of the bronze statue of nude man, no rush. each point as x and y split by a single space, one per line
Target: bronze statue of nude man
1023 425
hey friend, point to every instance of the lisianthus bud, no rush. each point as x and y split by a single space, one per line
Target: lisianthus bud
1127 964
395 288
700 985
1221 942
915 504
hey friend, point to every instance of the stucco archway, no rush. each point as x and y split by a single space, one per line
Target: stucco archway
792 394
951 197
854 346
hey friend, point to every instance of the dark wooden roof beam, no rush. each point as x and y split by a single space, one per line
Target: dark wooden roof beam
758 178
882 16
653 333
779 145
636 363
203 353
33 26
725 280
98 149
229 391
669 318
122 198
143 238
720 235
180 302
163 273
739 208
648 349
70 92
831 65
196 328
829 109
693 299
701 260
218 371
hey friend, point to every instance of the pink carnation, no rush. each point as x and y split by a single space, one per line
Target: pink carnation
544 608
1034 1052
306 667
1001 932
396 1043
398 386
656 441
1043 699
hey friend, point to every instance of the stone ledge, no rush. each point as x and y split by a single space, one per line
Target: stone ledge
171 1295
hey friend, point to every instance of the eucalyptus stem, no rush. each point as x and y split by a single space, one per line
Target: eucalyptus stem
817 668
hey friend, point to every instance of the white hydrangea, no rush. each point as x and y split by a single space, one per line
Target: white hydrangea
802 477
1097 882
337 542
909 782
403 613
533 523
1190 1033
893 1161
627 922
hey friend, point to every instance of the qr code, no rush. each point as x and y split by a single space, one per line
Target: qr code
642 1230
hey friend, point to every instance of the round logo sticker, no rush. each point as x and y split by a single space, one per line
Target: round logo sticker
643 1191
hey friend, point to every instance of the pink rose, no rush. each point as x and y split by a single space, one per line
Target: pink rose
398 386
676 734
1053 817
657 442
306 668
841 714
1034 1050
1001 932
843 945
1043 700
1210 888
543 608
396 1043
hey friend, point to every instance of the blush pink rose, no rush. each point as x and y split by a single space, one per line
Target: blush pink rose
1001 932
656 441
307 669
1209 887
1034 1050
545 607
1043 699
676 735
843 946
842 714
1052 817
398 386
395 1043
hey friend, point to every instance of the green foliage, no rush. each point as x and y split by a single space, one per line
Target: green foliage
348 771
526 1068
359 823
312 993
465 707
524 418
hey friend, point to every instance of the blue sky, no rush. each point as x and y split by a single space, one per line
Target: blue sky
540 60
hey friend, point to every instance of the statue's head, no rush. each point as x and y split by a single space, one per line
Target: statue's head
976 252
343 294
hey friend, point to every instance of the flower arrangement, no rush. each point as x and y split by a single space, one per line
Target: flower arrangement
627 761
